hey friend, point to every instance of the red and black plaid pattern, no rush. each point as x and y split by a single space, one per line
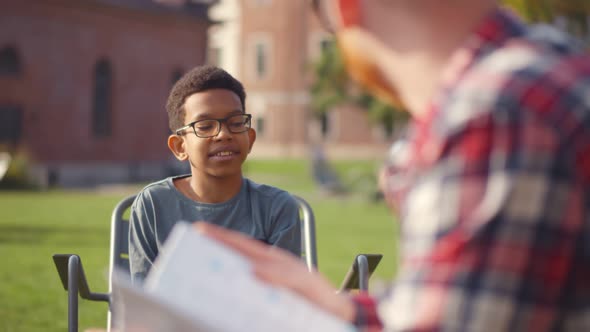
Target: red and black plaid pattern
496 216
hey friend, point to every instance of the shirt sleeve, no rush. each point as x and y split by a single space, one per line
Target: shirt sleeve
490 232
285 230
366 318
142 239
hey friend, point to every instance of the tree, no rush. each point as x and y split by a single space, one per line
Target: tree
331 83
332 87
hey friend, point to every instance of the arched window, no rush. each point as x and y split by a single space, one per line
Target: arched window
102 102
260 126
261 59
9 62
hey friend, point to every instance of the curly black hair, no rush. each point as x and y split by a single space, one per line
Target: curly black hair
201 78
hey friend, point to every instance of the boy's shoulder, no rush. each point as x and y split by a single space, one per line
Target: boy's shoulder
266 191
160 187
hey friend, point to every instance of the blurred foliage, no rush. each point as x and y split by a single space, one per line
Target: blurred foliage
331 84
332 87
17 174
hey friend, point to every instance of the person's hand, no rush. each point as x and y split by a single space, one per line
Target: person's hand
280 268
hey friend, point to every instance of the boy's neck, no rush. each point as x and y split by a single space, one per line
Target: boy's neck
210 189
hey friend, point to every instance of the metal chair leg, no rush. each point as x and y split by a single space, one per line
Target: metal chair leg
73 269
363 266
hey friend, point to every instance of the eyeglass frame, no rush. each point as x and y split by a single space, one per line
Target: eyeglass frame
220 123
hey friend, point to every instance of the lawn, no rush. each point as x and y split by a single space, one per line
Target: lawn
34 225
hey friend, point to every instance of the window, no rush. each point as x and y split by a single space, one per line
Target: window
9 62
214 56
258 59
261 59
102 102
260 125
11 124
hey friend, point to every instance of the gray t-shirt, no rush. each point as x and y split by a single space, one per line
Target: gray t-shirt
264 212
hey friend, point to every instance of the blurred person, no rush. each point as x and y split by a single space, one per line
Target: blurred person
211 132
493 197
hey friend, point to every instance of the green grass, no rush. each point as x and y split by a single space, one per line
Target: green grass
35 225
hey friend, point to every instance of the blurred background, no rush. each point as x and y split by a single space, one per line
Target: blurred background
83 84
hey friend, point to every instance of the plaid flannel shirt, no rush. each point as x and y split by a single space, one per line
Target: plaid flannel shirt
495 198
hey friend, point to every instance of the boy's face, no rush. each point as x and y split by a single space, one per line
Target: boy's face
218 156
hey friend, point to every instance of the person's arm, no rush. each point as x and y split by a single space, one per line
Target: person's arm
278 267
142 239
285 227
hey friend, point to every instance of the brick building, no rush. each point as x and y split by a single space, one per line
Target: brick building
269 45
83 84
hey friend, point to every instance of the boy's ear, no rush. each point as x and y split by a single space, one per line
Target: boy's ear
252 137
176 145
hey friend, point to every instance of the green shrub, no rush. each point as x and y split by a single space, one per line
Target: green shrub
17 175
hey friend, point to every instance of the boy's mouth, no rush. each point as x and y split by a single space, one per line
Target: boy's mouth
224 154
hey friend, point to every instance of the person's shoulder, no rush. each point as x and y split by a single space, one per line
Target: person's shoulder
158 188
155 186
538 50
523 75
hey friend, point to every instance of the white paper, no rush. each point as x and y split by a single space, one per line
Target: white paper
213 288
137 311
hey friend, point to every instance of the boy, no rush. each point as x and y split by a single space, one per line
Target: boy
211 131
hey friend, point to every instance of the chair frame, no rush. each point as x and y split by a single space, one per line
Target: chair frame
71 270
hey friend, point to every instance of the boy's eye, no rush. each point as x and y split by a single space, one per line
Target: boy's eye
204 126
236 124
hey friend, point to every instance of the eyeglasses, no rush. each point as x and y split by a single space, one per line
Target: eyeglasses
236 124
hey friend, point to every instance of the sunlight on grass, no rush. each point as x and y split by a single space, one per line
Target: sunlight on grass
35 225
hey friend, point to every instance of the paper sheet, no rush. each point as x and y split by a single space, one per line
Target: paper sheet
213 288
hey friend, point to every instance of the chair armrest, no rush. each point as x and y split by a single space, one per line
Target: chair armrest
62 263
360 271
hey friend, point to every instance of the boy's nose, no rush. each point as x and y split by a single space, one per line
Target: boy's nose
223 131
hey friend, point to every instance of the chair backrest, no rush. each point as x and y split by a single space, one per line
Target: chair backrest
119 256
119 251
308 237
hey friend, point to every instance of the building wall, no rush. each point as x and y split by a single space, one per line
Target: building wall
59 44
224 36
280 95
293 37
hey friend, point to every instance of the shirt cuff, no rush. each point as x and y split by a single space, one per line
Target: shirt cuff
366 318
